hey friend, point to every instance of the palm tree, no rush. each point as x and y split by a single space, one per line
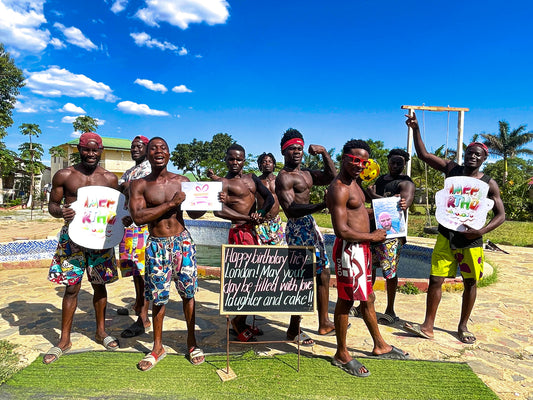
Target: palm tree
31 130
508 144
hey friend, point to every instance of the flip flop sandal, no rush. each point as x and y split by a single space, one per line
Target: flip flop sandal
133 330
386 319
56 352
301 338
107 341
153 359
246 336
352 367
194 353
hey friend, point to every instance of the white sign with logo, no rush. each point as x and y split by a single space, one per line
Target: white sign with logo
463 201
98 220
201 196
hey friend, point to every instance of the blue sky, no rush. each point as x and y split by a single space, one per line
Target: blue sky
185 69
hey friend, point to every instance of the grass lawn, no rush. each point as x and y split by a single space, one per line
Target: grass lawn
114 376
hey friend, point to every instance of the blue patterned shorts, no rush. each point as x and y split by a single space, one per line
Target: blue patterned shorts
170 259
304 232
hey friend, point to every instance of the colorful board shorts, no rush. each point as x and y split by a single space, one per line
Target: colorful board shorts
242 234
353 270
71 260
170 259
304 232
386 255
271 232
444 260
132 250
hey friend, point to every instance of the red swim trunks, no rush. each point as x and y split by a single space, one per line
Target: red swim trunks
353 269
243 234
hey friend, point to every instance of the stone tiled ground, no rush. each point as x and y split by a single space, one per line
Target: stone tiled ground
502 320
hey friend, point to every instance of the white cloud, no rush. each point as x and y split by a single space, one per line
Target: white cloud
181 13
130 107
76 37
73 109
27 104
144 39
55 82
119 5
25 108
20 25
181 89
148 84
57 43
69 119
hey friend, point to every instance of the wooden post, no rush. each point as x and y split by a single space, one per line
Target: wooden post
460 129
409 145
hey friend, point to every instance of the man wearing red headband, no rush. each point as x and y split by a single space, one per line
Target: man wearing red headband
293 187
452 247
71 260
132 247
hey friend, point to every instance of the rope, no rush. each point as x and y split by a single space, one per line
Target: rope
428 217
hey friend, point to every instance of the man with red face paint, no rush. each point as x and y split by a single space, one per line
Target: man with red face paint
456 249
71 260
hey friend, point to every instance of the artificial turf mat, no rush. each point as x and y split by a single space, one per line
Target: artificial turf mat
105 375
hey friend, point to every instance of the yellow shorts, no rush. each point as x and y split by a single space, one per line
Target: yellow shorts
444 261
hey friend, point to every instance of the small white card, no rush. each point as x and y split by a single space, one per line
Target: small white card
201 196
389 216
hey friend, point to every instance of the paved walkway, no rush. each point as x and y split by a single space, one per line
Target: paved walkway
502 318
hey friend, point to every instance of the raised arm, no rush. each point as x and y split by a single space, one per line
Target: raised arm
432 160
321 178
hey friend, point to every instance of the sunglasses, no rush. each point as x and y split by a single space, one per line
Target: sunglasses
357 161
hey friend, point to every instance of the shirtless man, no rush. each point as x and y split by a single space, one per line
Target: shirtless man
271 231
452 246
170 252
133 245
293 187
238 199
351 253
71 260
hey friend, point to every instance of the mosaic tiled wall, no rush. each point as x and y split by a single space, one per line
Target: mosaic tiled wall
27 250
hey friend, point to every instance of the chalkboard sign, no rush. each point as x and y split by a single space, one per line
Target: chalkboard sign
267 279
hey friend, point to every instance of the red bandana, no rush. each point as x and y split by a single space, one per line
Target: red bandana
290 142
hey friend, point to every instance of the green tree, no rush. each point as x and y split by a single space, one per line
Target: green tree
11 81
427 180
315 163
57 151
84 123
31 153
198 156
518 205
508 144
